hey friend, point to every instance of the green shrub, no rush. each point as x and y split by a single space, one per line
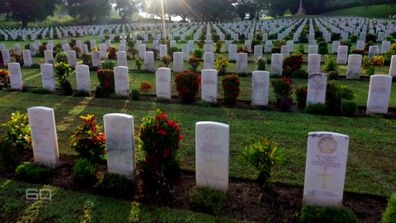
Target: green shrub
61 57
316 109
207 200
135 94
84 172
333 75
299 74
349 107
116 186
138 63
173 50
263 156
108 65
389 215
301 96
330 64
261 63
198 53
311 214
32 172
335 94
231 89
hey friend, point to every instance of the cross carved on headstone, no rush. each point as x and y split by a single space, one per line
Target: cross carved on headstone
324 176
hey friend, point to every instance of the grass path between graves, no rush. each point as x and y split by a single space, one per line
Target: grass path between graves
67 206
371 166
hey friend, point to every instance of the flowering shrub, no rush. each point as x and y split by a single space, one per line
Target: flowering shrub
301 96
221 64
231 88
138 63
88 141
293 62
112 53
219 44
4 79
87 59
166 60
160 138
187 84
106 80
61 57
243 49
194 63
260 63
62 72
283 89
146 86
378 60
361 52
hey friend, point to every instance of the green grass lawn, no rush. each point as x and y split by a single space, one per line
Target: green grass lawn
375 11
67 206
371 166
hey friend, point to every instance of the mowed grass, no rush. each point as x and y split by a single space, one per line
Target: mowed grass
67 206
374 11
371 164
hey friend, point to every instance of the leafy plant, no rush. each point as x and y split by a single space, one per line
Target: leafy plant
311 214
207 200
292 63
349 107
316 109
166 60
198 53
116 186
389 215
333 75
261 63
106 80
301 96
32 173
146 86
330 64
88 141
108 65
139 63
194 62
112 53
61 57
62 72
219 44
84 172
135 94
187 85
4 79
335 94
263 156
283 89
221 64
231 89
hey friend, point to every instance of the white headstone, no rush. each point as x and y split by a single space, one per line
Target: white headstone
342 55
47 76
242 63
360 45
48 56
122 58
392 68
258 51
209 60
178 62
120 144
163 83
379 93
95 59
354 65
27 58
260 88
44 138
6 57
121 81
277 63
317 84
149 61
71 58
209 85
83 78
15 76
314 63
313 49
324 181
212 155
232 52
163 50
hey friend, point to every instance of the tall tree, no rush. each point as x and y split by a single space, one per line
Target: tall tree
126 8
32 10
89 9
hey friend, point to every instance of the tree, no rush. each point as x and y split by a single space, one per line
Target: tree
250 7
126 8
89 9
26 11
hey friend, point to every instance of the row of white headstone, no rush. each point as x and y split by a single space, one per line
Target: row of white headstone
325 163
378 98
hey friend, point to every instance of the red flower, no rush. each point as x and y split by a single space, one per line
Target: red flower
181 137
166 153
162 132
